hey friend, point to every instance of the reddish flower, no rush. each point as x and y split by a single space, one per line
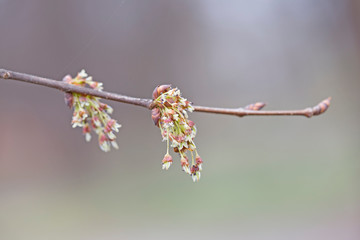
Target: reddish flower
170 115
89 112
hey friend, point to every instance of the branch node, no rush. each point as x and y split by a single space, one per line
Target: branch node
152 105
240 112
6 75
308 112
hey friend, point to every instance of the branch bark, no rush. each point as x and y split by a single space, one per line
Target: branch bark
252 109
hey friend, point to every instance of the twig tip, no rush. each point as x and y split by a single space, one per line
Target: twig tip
322 106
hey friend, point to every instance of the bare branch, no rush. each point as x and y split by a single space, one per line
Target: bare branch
241 112
249 110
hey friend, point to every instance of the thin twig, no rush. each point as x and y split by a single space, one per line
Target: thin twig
252 109
241 112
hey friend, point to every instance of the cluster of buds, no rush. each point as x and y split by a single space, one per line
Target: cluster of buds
170 115
89 112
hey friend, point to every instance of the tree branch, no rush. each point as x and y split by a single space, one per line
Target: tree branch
65 87
252 109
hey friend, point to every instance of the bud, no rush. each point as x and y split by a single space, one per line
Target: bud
198 160
69 99
160 90
255 106
155 115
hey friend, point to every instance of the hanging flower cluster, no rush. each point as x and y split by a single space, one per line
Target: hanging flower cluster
90 113
170 115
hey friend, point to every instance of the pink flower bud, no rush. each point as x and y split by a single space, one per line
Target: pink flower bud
191 123
95 122
94 85
86 128
67 79
198 160
102 138
167 161
194 169
184 161
167 158
109 125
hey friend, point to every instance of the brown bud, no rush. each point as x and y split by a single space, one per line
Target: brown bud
160 90
69 99
155 115
321 107
255 106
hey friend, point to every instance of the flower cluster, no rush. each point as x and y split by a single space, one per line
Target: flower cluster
170 115
89 112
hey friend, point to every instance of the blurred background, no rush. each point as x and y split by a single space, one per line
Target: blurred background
263 177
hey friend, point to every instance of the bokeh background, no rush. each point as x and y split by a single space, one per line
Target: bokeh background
263 177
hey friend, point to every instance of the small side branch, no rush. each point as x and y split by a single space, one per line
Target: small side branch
249 110
241 112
